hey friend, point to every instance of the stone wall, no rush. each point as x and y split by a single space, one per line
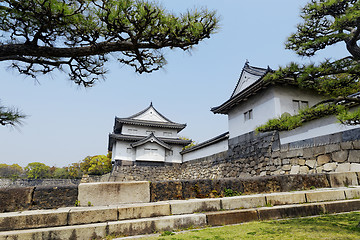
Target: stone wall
4 182
28 198
260 154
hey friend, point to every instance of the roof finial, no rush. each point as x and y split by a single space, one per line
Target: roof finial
151 104
247 62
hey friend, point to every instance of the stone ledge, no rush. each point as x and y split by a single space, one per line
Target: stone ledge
231 217
323 195
250 201
194 205
285 198
113 193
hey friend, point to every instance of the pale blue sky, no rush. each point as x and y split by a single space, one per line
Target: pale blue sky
66 123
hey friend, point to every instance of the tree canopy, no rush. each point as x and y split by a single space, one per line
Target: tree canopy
80 36
325 23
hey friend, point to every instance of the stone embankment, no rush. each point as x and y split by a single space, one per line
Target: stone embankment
145 218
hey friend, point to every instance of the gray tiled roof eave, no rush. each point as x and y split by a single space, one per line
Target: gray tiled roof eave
135 138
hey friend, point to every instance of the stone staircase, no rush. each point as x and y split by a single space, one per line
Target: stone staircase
145 218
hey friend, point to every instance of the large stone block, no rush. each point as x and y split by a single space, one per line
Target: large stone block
49 197
231 217
354 156
151 225
143 210
33 219
86 215
165 190
342 206
249 201
285 198
322 159
80 232
194 205
262 185
197 188
340 156
301 210
353 192
113 193
343 167
343 179
324 195
15 199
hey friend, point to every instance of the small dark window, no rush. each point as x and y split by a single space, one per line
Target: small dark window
248 115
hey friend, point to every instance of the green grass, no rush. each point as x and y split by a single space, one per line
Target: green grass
341 226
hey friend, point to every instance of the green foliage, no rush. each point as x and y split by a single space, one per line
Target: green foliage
10 117
325 23
13 171
230 193
287 122
74 171
349 118
96 165
37 170
80 36
192 144
61 173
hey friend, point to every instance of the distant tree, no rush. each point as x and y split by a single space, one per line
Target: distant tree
74 171
326 23
192 144
11 171
79 36
37 170
96 165
61 173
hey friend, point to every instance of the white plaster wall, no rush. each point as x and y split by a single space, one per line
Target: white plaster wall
121 151
263 107
315 128
206 151
141 131
270 103
284 96
141 155
176 157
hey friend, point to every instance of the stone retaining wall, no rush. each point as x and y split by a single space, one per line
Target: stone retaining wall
261 154
28 198
4 182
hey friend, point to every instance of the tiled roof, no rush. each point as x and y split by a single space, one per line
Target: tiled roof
151 138
135 138
132 121
207 143
250 90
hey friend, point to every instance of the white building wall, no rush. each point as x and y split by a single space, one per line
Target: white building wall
209 150
263 108
265 105
175 156
285 95
315 128
145 131
123 151
147 152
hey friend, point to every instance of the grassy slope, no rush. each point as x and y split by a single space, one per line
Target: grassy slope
341 226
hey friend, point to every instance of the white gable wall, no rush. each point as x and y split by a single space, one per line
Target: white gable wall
150 152
128 129
151 115
123 151
245 81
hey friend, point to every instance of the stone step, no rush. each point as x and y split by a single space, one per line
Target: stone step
116 228
279 212
169 223
102 214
